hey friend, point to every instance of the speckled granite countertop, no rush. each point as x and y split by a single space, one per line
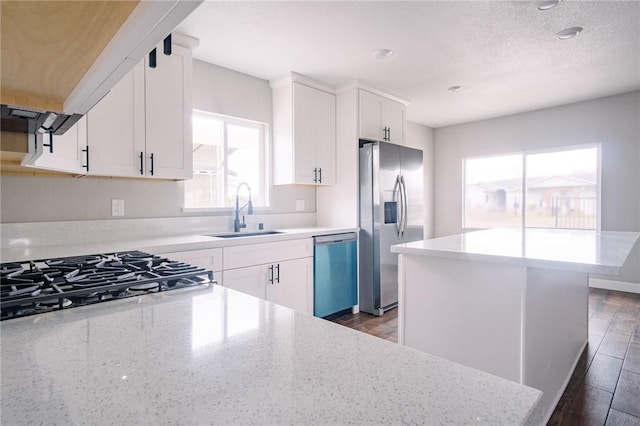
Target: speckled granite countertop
216 356
57 246
601 252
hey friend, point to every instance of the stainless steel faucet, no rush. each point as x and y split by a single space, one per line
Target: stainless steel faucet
236 221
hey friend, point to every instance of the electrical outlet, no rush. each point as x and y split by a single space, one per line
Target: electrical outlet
299 205
117 207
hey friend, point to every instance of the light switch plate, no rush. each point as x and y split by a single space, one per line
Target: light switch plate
117 207
299 205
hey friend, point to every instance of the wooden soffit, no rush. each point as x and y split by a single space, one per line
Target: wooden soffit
48 46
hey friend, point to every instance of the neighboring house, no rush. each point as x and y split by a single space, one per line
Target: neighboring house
552 201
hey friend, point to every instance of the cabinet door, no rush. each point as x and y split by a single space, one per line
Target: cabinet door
208 258
250 280
326 137
371 119
304 122
292 284
305 133
115 128
394 119
169 148
68 151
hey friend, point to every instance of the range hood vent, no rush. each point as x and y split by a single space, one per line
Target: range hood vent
24 120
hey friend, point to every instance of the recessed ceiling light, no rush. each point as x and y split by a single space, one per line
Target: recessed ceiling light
382 53
548 4
454 89
569 33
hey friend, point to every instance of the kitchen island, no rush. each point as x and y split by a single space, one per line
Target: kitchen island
216 356
506 301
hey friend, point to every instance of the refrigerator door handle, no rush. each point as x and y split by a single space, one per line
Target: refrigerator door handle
397 198
405 206
401 204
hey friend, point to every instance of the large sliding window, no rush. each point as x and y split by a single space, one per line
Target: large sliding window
551 189
226 152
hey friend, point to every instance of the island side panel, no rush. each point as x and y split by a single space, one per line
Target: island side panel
555 330
469 312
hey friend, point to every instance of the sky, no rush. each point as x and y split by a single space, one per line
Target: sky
488 169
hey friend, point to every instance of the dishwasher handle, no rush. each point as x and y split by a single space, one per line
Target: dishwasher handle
334 238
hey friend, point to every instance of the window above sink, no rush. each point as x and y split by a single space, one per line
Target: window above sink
226 152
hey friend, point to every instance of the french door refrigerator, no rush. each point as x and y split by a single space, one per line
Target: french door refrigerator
391 212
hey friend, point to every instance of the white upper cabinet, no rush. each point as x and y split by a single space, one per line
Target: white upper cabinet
116 132
61 153
381 119
142 128
304 127
168 106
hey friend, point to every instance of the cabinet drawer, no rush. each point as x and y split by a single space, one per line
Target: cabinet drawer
256 254
208 258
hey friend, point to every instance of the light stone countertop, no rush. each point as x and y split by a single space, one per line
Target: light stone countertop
216 356
23 250
602 252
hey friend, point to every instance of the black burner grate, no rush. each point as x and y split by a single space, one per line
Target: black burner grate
30 287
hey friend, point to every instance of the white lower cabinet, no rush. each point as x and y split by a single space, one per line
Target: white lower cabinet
280 272
250 280
285 283
210 259
292 285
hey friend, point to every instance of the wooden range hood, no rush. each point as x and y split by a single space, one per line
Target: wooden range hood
64 56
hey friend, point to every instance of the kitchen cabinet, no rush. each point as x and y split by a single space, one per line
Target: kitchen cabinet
304 122
168 108
116 131
381 119
63 153
280 272
210 259
142 128
364 112
284 283
67 59
289 284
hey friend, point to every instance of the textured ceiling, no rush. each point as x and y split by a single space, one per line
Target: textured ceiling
504 53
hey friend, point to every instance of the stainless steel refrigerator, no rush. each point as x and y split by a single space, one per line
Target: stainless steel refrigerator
391 212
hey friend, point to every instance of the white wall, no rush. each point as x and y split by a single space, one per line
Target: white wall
39 198
338 205
612 121
422 137
224 91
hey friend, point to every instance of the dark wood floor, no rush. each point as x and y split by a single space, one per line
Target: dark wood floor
605 387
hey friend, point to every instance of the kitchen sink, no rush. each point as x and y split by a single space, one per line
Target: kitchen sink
245 234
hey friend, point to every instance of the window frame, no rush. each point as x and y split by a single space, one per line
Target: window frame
265 164
525 154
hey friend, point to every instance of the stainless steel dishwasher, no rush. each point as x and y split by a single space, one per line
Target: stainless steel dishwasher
335 273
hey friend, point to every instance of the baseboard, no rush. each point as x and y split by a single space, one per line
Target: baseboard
615 285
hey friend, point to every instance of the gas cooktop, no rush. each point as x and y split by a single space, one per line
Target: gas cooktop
33 287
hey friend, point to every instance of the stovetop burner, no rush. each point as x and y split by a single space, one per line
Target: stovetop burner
32 287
